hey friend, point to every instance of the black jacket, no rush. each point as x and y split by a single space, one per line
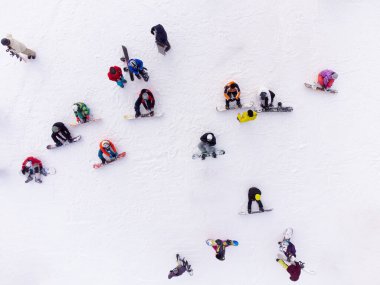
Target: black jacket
204 139
160 34
251 197
148 104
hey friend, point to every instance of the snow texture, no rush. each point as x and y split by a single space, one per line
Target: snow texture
318 167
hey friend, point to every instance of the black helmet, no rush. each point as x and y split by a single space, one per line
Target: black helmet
263 95
5 42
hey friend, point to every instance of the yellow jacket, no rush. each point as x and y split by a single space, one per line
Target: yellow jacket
242 118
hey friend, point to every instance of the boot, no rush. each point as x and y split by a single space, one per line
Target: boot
213 154
30 178
43 172
38 180
204 155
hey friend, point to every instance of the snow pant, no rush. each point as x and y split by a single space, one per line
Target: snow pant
206 148
121 81
29 52
322 83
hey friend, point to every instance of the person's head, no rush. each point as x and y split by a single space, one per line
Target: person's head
5 42
263 95
28 164
106 144
55 129
75 108
145 96
133 63
112 70
250 113
209 137
334 75
220 256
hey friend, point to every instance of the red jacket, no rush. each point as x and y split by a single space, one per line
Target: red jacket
117 75
294 271
33 160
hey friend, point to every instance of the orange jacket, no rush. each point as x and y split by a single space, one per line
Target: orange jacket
231 87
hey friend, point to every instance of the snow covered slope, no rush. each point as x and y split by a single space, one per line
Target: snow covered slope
318 167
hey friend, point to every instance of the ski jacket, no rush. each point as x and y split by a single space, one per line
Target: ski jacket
33 160
16 45
140 66
148 104
325 78
267 98
83 110
111 152
210 143
243 118
232 91
294 271
254 194
117 76
160 34
178 271
63 132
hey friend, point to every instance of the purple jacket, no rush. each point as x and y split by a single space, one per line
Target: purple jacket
327 76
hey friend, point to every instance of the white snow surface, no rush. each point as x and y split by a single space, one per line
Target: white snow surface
318 167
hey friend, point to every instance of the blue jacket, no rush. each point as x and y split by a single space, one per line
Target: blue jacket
140 66
110 152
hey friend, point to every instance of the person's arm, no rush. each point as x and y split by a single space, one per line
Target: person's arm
249 205
153 102
100 155
261 207
225 93
272 95
137 105
238 88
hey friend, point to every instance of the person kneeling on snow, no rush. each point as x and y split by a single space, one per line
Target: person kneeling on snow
182 267
266 97
33 166
146 98
293 269
206 146
107 151
81 112
231 94
254 195
17 46
115 74
247 116
60 134
326 78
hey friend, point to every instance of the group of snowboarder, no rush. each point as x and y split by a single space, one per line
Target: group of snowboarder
33 168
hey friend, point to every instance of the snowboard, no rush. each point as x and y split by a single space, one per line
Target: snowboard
53 146
307 270
244 106
99 164
254 212
218 152
211 242
126 59
279 108
90 121
317 87
132 117
13 53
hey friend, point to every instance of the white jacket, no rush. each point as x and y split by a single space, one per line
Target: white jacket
16 45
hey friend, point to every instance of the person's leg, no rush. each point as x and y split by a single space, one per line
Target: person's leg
201 147
120 83
209 149
56 140
37 175
238 102
320 81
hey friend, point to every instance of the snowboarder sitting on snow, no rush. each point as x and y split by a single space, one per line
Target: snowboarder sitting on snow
206 146
266 97
147 100
60 134
326 78
293 269
136 66
247 116
220 248
161 36
232 93
16 46
288 248
182 267
82 112
107 151
254 194
33 166
115 74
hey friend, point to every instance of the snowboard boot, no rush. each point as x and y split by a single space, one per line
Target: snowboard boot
38 180
204 155
30 178
138 76
43 172
239 104
213 154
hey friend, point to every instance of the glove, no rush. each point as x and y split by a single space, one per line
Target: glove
229 242
23 171
78 120
261 209
277 259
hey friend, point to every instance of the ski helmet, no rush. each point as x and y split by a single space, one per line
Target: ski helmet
5 42
133 63
145 96
105 144
55 129
75 108
334 75
263 95
209 137
28 164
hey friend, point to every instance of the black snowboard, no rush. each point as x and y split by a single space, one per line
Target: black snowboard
126 59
